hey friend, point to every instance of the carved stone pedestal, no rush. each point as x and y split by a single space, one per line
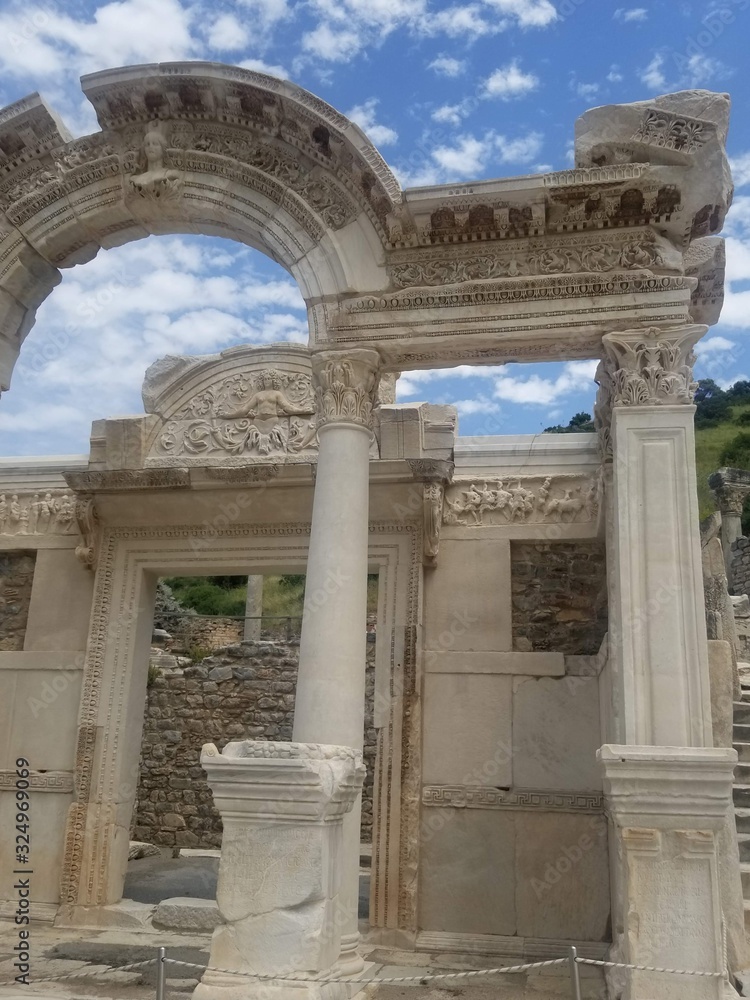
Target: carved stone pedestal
282 806
666 807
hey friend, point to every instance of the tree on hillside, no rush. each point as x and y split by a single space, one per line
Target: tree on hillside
581 423
712 404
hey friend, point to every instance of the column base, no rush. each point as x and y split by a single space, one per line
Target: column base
350 962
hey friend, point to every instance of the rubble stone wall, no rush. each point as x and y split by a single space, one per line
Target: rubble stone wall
244 691
16 576
559 596
741 566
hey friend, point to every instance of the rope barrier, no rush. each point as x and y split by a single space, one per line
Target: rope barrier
85 975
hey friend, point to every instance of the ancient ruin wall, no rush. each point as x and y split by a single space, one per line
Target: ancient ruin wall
559 596
242 691
16 575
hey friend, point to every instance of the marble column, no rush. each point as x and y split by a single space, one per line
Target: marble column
330 698
253 607
282 807
731 488
658 661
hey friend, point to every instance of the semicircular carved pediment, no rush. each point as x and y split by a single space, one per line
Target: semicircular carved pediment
247 405
236 153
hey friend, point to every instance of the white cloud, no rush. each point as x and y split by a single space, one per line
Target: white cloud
258 66
447 66
614 75
331 44
364 116
528 13
470 407
523 149
652 76
714 345
450 114
576 376
510 82
267 12
467 158
466 20
586 90
227 34
107 321
700 69
740 169
626 14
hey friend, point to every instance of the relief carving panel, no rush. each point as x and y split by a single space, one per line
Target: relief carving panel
521 500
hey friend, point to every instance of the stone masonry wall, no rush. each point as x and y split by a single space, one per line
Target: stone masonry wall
244 691
559 596
741 566
16 576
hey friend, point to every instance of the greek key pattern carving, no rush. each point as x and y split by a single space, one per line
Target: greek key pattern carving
685 135
345 387
521 500
478 797
39 781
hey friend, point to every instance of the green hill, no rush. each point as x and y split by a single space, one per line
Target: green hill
722 435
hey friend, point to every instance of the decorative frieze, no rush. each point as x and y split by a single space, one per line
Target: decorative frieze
652 367
479 797
39 781
572 498
345 386
42 513
115 480
260 415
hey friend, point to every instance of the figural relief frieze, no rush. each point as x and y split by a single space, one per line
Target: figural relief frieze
521 500
259 415
41 513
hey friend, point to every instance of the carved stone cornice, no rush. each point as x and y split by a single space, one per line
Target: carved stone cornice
731 487
651 367
117 480
346 386
604 378
431 470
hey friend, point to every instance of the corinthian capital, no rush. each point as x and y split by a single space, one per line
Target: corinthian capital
652 367
346 385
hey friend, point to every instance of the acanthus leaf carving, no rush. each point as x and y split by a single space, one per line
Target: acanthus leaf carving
652 367
676 132
87 518
346 386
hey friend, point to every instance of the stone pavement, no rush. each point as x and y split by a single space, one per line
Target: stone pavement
192 878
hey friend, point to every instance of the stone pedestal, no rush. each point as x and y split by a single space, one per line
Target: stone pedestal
282 806
666 807
330 697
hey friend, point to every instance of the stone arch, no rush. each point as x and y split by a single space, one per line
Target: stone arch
186 148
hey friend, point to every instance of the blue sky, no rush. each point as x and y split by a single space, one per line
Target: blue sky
447 90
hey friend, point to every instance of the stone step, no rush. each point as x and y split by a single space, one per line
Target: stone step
743 751
743 841
741 733
742 819
741 713
742 773
745 873
741 796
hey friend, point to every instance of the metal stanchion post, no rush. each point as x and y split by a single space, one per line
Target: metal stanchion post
161 975
574 975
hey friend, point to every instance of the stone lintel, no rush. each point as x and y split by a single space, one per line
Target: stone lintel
731 488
